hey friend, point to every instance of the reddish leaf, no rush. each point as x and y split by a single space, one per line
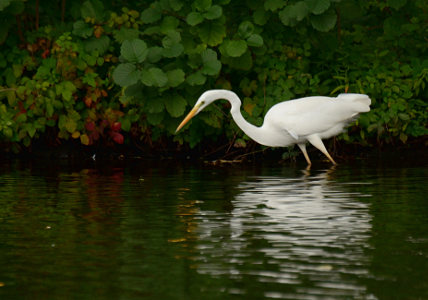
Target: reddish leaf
117 137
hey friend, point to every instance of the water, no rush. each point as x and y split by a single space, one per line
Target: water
138 230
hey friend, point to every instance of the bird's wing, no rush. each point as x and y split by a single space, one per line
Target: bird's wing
305 124
308 116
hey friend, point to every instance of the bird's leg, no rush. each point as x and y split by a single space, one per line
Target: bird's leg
305 153
317 143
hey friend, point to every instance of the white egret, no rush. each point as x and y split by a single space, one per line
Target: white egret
298 121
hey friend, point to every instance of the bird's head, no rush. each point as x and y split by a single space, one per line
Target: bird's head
204 100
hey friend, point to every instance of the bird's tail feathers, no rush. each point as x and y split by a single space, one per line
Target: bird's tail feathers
361 102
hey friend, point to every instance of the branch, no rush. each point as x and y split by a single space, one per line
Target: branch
19 28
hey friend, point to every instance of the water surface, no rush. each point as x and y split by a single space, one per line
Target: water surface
138 230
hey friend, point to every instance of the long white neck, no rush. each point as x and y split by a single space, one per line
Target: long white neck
254 132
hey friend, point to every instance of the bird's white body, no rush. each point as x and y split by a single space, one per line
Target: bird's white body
298 121
291 122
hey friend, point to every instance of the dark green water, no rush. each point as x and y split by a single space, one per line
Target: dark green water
135 230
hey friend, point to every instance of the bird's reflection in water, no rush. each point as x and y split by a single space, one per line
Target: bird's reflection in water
309 232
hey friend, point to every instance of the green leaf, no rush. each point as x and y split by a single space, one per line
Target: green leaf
11 98
175 77
396 4
151 14
243 62
66 90
155 54
172 45
173 51
404 117
274 5
92 9
245 29
240 143
196 78
286 16
235 48
212 33
194 60
292 14
31 129
90 79
169 24
84 139
90 60
135 90
126 124
403 137
98 44
194 18
175 105
214 12
125 34
153 30
21 118
134 50
154 77
100 61
211 64
171 38
13 7
126 74
82 29
4 4
70 125
202 5
176 4
255 40
72 114
8 132
392 26
155 119
260 17
318 6
324 22
49 109
159 77
155 105
17 70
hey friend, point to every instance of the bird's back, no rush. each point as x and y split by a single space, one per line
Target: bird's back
325 116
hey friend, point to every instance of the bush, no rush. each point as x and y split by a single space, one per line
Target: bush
112 74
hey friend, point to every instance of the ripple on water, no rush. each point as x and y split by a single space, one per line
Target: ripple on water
305 231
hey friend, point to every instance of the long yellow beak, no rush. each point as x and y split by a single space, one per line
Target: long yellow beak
190 115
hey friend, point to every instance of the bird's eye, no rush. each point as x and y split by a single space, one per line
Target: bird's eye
202 102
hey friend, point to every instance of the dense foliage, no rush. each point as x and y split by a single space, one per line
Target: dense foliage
103 73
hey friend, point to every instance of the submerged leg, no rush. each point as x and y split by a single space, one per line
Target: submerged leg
303 148
317 143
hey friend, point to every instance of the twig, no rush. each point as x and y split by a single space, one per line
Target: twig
8 89
250 153
232 142
19 28
215 150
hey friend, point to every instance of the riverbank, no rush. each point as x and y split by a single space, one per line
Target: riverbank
413 150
